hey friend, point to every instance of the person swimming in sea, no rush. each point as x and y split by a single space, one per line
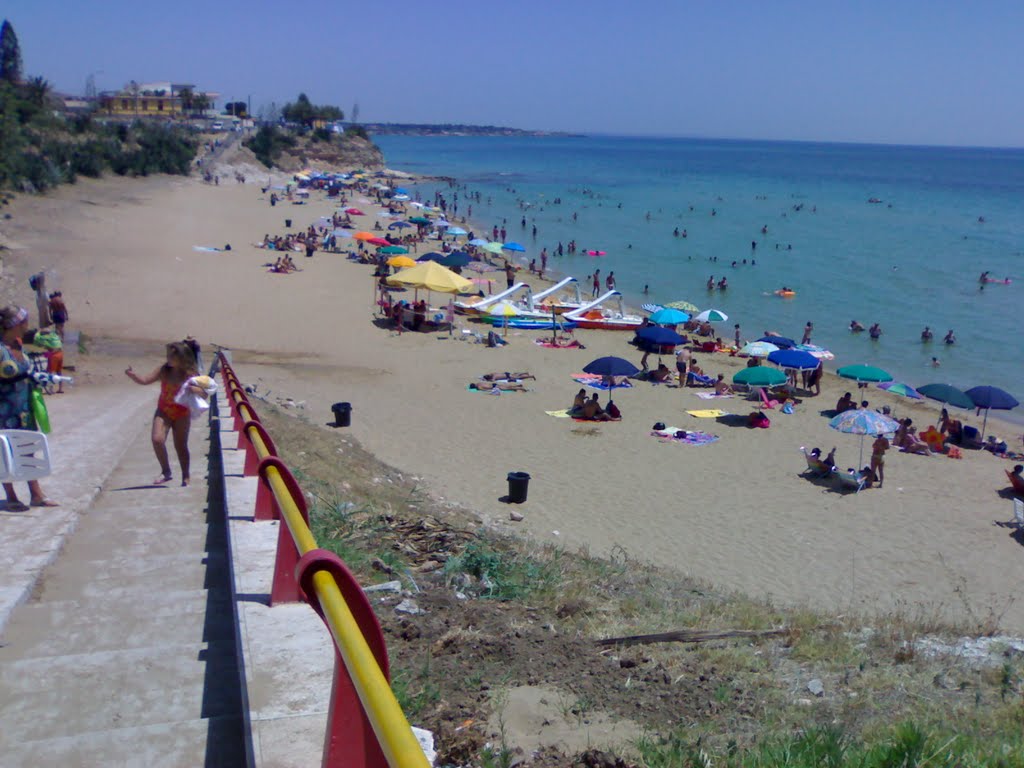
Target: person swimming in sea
855 327
926 334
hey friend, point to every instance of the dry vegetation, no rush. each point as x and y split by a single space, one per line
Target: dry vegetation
501 613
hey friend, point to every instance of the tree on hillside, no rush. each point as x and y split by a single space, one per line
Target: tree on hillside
10 54
187 96
304 112
36 91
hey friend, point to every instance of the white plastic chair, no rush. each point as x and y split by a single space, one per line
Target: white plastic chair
24 455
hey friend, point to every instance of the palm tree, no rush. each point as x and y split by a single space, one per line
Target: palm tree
36 91
187 97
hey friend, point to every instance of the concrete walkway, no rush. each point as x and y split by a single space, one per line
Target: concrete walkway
121 650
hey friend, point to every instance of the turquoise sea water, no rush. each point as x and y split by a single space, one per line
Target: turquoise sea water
912 260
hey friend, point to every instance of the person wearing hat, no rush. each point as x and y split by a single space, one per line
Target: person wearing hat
15 409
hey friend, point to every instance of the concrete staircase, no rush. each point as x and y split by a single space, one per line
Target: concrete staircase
125 652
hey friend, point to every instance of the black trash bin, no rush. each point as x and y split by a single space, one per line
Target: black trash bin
342 414
288 223
518 485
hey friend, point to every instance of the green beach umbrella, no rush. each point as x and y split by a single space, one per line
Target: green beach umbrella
683 305
760 376
862 373
392 250
419 220
493 247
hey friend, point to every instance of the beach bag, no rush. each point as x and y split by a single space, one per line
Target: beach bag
787 408
37 407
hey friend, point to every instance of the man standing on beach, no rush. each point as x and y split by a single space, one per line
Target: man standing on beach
808 329
510 275
737 335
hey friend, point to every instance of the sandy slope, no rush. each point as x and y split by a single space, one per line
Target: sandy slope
736 512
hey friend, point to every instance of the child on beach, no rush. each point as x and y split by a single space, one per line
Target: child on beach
171 417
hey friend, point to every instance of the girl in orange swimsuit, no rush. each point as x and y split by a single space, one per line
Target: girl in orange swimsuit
170 416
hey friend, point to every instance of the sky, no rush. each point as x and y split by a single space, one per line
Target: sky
897 72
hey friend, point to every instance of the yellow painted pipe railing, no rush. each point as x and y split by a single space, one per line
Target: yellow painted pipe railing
394 736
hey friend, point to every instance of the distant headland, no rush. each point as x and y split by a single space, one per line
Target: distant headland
454 129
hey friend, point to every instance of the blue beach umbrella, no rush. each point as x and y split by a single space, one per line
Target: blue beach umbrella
657 336
399 225
668 316
432 256
779 341
611 366
988 398
795 359
512 246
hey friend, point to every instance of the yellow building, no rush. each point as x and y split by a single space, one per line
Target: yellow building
162 99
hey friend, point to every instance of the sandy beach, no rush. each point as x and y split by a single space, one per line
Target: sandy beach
737 512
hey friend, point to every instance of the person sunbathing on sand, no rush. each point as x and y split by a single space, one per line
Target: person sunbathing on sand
504 386
907 441
506 376
722 387
660 374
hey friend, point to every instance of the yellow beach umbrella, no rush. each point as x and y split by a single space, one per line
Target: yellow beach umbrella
433 277
401 262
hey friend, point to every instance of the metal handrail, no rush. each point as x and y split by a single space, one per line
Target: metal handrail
390 726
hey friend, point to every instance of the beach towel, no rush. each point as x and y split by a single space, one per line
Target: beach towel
698 380
206 249
710 413
691 437
552 345
196 404
562 414
596 381
711 396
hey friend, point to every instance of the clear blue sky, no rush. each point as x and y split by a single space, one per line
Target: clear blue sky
903 71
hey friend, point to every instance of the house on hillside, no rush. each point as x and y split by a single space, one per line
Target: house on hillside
163 99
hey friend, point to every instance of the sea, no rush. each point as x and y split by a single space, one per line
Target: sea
894 235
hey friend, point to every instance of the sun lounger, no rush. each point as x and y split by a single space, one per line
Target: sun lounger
696 380
1018 515
850 482
815 466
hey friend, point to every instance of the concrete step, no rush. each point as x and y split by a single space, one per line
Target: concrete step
210 742
109 623
85 692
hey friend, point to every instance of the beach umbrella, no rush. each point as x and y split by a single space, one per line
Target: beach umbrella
493 247
669 316
477 241
354 212
683 305
711 316
455 259
658 336
988 398
433 277
505 309
401 262
400 197
863 422
432 256
864 373
650 307
392 250
513 246
611 366
399 225
758 349
456 231
795 359
364 236
419 220
479 266
760 376
897 388
779 341
948 394
378 241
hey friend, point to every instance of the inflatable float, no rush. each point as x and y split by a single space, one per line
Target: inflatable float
1007 281
596 253
786 294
